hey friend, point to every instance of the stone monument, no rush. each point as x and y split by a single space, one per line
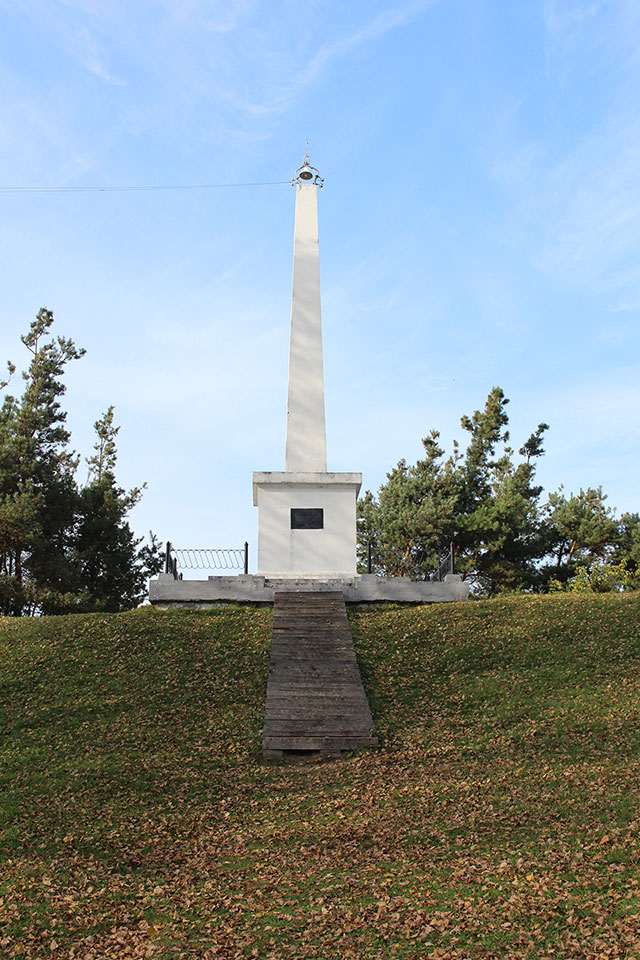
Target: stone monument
306 515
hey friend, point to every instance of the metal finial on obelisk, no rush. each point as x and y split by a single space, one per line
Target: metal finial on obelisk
306 450
306 173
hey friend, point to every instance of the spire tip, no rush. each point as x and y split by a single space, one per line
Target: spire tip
306 173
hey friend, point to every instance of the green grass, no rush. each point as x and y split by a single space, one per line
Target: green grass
499 818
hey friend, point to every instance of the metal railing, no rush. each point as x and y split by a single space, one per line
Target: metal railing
446 562
445 565
206 558
171 563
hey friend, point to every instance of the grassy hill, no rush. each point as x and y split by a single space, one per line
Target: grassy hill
499 818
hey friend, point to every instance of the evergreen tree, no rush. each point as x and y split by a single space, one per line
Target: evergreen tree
38 493
413 516
628 547
62 548
498 535
111 568
486 502
581 531
480 500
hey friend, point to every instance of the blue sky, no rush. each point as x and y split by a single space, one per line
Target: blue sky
479 226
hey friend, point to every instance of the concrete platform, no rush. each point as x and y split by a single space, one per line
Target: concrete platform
165 592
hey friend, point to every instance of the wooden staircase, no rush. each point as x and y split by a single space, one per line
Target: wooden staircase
315 699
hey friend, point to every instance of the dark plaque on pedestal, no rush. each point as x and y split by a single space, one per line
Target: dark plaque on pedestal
307 518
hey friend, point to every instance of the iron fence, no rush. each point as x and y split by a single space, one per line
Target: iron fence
445 565
446 561
206 558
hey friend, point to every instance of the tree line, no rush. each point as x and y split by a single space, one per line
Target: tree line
484 500
64 546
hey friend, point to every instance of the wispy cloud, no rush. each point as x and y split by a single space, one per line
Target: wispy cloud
219 71
77 30
591 201
578 199
88 53
257 57
566 20
271 59
386 20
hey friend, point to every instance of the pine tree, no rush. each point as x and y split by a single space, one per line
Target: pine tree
581 531
38 493
61 548
498 535
628 547
413 517
482 501
113 567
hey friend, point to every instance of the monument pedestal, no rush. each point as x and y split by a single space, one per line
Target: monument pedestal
167 593
307 524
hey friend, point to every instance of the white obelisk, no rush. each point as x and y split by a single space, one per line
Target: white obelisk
306 432
306 516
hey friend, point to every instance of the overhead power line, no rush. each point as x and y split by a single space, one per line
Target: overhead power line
169 186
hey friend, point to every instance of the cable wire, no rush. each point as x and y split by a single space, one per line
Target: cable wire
178 186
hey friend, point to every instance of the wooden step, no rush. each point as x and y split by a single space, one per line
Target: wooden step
279 745
315 699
